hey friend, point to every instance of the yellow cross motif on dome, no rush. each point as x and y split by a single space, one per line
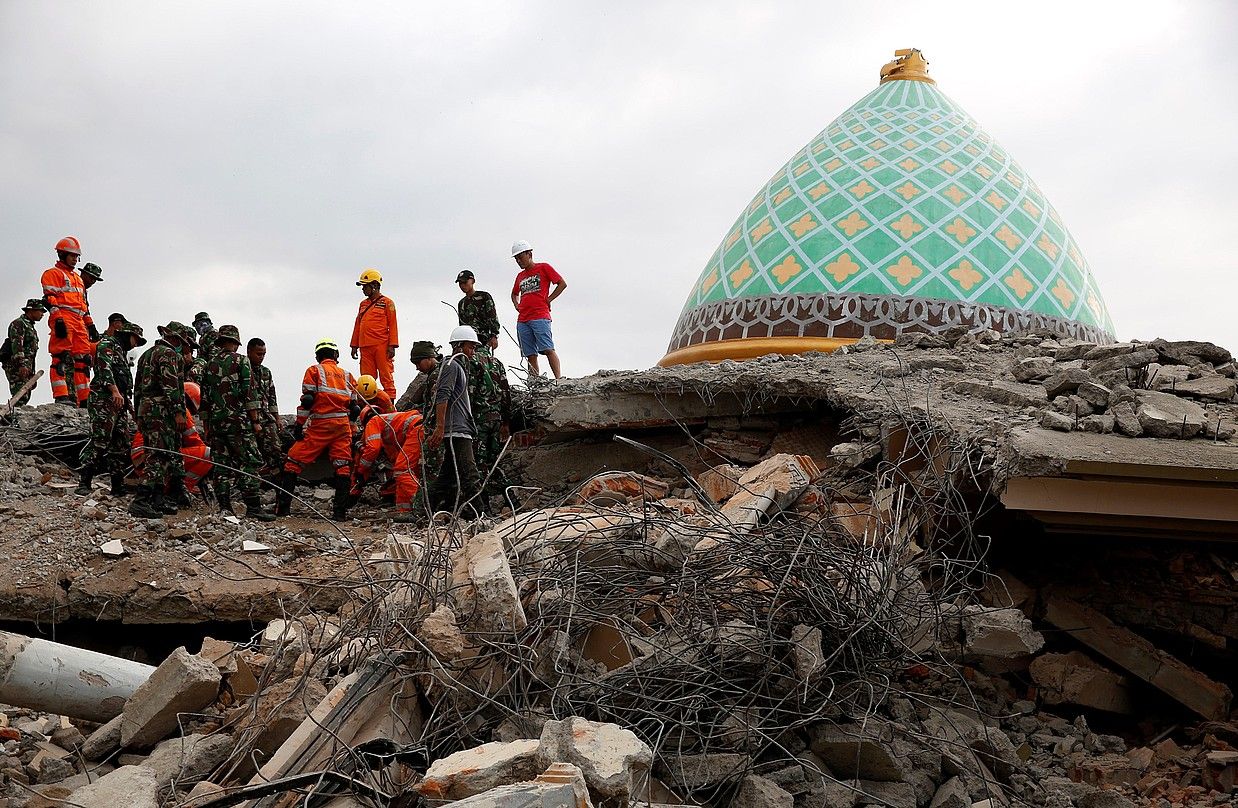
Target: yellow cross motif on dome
904 271
1073 252
911 129
966 275
1008 237
842 268
761 230
984 171
870 163
819 190
1063 293
1019 283
834 165
852 224
802 225
907 226
961 230
861 189
972 150
787 270
1014 179
878 144
996 200
1030 209
820 147
846 144
710 280
907 190
801 169
1094 304
944 145
949 166
937 129
909 164
742 274
955 193
731 239
910 144
1048 247
857 129
782 196
883 128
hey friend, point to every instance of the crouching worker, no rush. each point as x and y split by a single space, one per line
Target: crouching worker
328 401
398 435
194 451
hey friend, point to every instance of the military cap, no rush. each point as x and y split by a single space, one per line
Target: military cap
465 275
116 317
34 303
230 332
423 349
135 330
200 316
180 331
92 270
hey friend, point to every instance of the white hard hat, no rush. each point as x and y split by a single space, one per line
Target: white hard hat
464 333
519 247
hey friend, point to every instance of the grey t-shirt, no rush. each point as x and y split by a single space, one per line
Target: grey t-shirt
453 387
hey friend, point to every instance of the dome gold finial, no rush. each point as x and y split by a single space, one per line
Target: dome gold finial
908 65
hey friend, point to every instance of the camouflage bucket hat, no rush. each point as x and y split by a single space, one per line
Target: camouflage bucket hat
93 270
200 316
229 332
34 303
135 330
423 349
180 331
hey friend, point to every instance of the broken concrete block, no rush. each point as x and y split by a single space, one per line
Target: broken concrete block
183 683
1134 359
1051 419
1032 369
721 481
284 636
886 793
1094 394
620 488
1001 638
1126 419
483 587
757 792
854 454
103 741
1075 679
535 794
807 656
855 751
951 794
248 546
1101 424
1163 415
441 635
475 771
1010 393
201 793
615 762
130 786
1065 382
695 772
1213 388
277 712
220 653
187 760
113 549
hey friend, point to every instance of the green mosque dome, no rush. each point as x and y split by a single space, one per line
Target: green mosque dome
903 215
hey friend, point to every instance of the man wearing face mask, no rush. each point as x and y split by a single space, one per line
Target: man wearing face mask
109 401
206 345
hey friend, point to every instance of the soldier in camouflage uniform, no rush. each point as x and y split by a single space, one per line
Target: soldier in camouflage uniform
233 416
23 346
270 440
206 344
111 389
159 402
490 395
476 308
420 396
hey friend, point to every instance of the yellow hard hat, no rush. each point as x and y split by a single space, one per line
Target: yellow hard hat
326 343
367 386
370 276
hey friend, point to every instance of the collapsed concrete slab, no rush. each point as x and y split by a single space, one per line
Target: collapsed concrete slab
856 751
130 786
477 770
1002 639
615 762
183 683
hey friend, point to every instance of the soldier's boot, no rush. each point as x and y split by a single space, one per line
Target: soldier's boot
165 504
118 483
254 509
339 504
223 498
87 476
285 483
179 495
143 506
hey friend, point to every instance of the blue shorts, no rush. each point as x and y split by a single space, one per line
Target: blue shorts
534 337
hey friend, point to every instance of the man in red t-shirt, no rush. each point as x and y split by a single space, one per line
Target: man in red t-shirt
532 296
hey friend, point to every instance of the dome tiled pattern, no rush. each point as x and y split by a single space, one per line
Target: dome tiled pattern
903 215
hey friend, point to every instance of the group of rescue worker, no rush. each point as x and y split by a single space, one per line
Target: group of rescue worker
209 424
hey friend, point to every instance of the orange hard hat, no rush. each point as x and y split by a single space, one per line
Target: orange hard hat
194 393
69 244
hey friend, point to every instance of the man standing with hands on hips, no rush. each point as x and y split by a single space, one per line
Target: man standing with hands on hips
532 296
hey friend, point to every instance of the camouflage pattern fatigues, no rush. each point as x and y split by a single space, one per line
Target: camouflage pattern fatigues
420 396
490 395
24 343
206 352
478 311
270 445
228 395
109 426
158 398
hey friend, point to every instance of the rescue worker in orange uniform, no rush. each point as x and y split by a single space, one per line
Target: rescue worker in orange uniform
71 327
194 451
328 403
375 335
399 436
367 386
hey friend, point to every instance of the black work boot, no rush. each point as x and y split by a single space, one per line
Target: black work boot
224 500
339 503
285 483
254 510
179 495
87 477
143 506
118 484
165 504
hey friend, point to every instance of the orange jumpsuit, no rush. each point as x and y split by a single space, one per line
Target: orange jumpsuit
195 452
382 402
373 333
399 435
66 297
325 424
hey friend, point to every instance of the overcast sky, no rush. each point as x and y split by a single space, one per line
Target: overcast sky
252 158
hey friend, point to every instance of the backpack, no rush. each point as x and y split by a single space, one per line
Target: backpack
6 351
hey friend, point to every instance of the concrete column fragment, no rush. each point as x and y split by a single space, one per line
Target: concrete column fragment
183 683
